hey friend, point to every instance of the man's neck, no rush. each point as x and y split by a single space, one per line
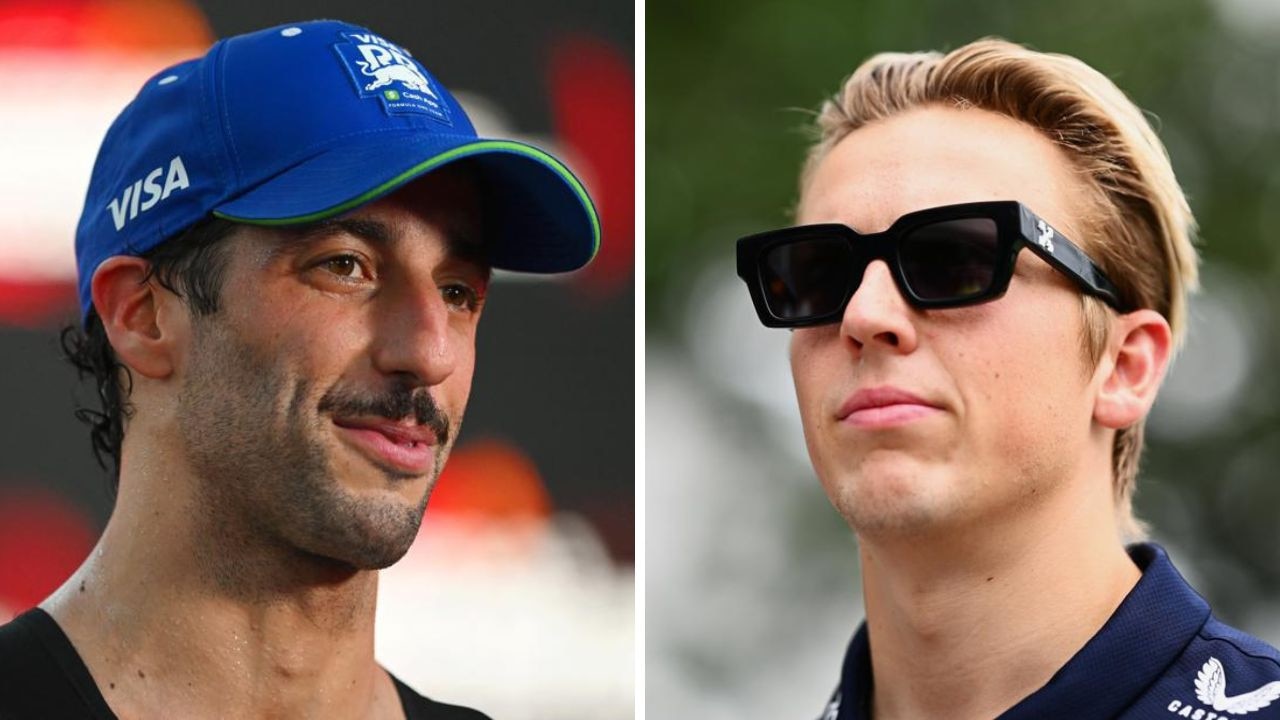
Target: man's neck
171 613
966 624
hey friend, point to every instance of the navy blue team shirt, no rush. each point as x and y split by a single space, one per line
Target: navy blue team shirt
1162 655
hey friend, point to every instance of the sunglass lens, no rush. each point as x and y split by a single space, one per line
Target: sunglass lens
806 278
950 260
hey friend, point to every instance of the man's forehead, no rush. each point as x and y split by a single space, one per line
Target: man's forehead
936 156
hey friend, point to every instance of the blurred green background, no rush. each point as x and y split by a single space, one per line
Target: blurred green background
751 577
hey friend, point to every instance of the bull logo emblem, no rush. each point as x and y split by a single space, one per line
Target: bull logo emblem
407 75
386 63
384 70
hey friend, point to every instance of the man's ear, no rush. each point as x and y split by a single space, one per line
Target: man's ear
131 308
1137 357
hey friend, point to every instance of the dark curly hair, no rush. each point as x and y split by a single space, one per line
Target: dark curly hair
192 266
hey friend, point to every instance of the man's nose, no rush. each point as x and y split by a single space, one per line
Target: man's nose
414 334
878 314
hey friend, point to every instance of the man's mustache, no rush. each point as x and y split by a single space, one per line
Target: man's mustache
399 402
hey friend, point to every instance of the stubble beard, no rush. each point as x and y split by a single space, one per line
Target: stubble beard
267 487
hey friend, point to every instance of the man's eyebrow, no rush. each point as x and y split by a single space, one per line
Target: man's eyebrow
296 237
463 243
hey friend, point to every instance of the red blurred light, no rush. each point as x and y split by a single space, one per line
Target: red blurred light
593 97
43 539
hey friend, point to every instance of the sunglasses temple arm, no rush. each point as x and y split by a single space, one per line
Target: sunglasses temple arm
1065 255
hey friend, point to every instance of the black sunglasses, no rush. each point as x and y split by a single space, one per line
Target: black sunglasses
942 257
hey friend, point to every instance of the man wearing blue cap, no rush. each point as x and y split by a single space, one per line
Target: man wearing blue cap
283 256
986 283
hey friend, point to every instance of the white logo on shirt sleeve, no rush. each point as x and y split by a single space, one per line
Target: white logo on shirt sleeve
1211 689
832 711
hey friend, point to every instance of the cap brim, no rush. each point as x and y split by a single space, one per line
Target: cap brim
538 216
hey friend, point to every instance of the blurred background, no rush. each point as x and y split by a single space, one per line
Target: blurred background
751 578
519 596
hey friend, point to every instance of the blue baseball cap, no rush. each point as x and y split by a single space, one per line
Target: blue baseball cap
302 122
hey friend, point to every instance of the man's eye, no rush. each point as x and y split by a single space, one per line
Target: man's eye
344 266
461 297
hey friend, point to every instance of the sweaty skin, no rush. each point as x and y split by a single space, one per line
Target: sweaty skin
237 576
987 531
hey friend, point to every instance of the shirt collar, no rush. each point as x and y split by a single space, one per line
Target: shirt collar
1153 624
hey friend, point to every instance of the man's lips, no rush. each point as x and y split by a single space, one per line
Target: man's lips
410 448
884 406
399 433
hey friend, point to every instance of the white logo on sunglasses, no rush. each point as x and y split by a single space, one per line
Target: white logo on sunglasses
1046 235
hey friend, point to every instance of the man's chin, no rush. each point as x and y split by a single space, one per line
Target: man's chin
892 504
373 554
368 533
381 561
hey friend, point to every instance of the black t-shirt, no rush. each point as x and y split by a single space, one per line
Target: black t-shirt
42 677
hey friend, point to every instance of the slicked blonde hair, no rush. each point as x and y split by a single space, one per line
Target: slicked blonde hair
1138 227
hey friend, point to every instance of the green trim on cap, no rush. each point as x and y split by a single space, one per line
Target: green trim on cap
428 164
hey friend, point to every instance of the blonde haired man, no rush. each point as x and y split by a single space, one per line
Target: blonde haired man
975 412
